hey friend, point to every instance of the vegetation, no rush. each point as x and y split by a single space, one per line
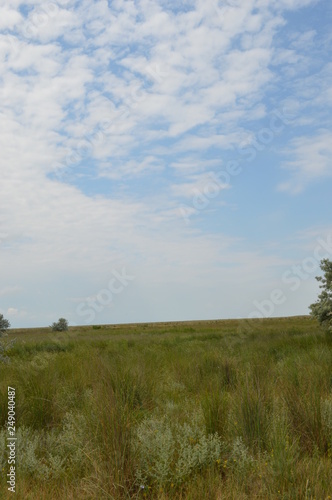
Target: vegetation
322 309
4 346
172 411
4 325
60 326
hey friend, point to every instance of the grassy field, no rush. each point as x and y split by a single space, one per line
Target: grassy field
197 410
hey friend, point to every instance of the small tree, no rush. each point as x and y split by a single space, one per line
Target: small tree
4 325
60 326
4 346
322 309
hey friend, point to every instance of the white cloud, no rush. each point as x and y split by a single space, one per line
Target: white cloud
312 161
12 311
9 290
9 17
132 168
199 185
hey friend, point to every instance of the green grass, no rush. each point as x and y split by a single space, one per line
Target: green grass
211 409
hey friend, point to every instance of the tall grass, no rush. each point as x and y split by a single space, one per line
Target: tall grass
172 411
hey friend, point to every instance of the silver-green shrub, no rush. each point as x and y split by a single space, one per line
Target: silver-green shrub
49 454
169 452
240 457
72 439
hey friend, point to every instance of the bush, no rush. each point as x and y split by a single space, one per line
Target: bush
4 325
4 346
169 453
322 309
60 326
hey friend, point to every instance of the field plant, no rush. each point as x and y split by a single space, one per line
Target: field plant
171 411
169 453
4 345
60 326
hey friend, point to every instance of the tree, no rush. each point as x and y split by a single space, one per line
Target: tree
60 326
4 325
4 346
322 309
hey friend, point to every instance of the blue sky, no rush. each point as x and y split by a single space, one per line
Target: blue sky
163 160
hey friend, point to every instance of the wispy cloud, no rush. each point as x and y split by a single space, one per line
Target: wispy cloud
9 290
312 161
